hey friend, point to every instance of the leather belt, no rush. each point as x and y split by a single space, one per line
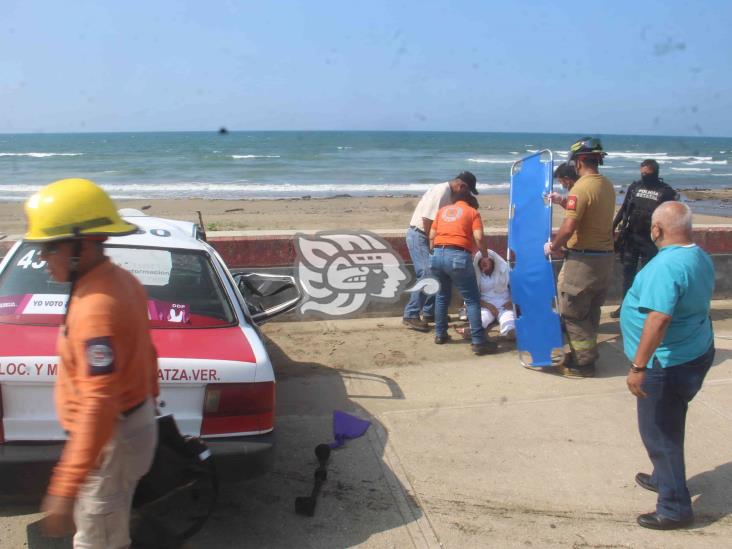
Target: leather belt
418 229
452 247
593 252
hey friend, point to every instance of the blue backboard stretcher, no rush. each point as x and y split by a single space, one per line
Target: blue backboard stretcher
533 292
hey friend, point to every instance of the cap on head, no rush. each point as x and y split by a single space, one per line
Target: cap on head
73 208
469 179
586 146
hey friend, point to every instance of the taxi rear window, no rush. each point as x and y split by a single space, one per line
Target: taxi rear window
182 286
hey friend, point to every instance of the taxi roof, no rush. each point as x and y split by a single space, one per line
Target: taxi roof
158 232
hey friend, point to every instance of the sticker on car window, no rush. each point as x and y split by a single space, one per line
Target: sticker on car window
178 313
27 260
13 304
44 304
151 267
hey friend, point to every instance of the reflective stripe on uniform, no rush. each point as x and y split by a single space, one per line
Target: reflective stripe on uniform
583 344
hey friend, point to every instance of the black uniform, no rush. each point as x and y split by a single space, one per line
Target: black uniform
634 220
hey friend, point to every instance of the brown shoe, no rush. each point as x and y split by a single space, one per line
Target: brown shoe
576 371
416 324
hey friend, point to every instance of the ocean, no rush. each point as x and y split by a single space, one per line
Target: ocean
326 163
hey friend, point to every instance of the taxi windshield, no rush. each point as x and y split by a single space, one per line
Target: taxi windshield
183 288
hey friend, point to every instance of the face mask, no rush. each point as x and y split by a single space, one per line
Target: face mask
649 178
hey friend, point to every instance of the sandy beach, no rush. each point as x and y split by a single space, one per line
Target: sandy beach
338 212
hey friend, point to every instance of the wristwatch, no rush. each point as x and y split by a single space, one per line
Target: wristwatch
637 369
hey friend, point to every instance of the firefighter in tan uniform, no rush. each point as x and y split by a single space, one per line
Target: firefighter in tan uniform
107 378
587 234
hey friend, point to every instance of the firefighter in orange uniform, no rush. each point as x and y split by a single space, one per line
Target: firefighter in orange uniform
107 378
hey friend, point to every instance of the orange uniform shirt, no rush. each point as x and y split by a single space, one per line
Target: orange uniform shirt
107 365
454 225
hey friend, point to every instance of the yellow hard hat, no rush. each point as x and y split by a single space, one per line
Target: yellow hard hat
73 208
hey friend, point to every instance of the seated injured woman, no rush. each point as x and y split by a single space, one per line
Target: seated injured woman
495 296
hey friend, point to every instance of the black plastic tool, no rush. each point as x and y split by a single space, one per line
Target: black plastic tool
305 505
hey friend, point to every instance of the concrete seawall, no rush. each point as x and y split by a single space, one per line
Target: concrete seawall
274 251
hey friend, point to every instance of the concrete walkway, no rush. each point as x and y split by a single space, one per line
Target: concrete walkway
464 451
480 452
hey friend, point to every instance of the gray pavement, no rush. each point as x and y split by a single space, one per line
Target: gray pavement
464 451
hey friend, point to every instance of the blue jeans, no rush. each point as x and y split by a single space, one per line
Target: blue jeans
662 422
419 250
451 266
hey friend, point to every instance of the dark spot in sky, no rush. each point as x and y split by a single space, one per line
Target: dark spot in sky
644 32
475 66
695 70
397 56
419 116
698 129
694 109
667 47
656 120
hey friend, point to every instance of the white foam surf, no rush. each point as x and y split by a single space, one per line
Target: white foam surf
691 169
250 156
39 154
491 160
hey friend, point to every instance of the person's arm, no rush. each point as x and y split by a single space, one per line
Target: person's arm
433 234
654 330
97 389
565 232
478 239
623 209
427 225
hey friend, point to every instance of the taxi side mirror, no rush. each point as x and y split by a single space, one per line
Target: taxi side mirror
267 295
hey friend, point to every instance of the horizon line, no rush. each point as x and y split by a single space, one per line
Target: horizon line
228 131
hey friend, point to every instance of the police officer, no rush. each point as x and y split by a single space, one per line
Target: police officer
634 221
587 233
107 376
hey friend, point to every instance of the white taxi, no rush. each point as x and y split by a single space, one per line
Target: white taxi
215 375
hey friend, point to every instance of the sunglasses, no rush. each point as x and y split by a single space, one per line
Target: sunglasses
50 248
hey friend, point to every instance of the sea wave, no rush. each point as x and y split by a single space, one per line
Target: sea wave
491 161
204 189
39 154
655 156
250 156
717 162
691 169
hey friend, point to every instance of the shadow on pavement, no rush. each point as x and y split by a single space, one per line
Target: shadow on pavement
713 489
361 498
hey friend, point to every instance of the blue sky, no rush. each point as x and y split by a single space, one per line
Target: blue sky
613 67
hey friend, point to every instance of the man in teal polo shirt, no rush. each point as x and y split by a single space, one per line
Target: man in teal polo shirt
667 335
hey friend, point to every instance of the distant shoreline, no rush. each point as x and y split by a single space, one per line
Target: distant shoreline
339 212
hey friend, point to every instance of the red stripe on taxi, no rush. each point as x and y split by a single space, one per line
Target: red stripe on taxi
214 344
